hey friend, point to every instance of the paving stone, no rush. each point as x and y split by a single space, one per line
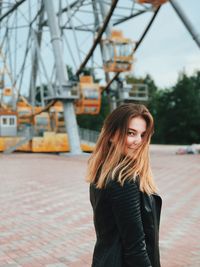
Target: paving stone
46 217
56 265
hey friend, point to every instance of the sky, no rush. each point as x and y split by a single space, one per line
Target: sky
168 47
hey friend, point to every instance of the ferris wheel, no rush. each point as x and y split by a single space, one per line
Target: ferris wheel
46 47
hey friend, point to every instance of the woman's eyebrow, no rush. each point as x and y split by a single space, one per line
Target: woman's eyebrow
134 130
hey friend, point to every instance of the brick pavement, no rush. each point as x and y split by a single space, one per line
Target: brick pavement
46 218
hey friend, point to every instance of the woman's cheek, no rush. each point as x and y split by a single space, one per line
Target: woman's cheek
130 140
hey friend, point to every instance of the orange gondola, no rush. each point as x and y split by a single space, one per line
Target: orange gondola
155 3
117 53
90 97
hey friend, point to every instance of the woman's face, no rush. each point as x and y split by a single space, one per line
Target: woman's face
136 131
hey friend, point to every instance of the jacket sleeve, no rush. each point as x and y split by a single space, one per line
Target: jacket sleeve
125 202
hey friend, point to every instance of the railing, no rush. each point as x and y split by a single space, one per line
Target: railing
88 135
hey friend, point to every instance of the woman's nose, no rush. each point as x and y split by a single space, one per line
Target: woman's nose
138 139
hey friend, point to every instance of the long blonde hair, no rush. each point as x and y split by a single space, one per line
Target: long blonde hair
108 159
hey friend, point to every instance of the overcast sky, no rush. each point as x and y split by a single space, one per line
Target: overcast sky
168 47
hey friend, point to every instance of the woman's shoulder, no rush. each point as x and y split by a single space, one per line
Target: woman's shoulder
115 186
115 181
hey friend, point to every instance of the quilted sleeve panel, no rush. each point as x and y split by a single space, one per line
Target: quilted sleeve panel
125 201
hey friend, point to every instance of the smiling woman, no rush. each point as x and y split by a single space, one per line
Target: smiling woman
136 132
123 193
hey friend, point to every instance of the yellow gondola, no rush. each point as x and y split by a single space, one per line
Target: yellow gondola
90 97
117 53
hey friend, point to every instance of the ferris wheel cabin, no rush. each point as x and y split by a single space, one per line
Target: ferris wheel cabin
90 97
117 53
155 3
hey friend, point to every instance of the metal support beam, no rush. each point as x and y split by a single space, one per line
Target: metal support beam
186 21
51 91
11 9
99 35
129 17
34 70
108 31
62 76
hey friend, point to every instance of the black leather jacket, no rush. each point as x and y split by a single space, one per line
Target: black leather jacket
127 226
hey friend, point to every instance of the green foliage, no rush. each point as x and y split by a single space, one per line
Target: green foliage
177 118
70 73
176 110
38 95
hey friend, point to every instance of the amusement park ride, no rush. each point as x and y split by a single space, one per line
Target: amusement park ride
117 53
33 36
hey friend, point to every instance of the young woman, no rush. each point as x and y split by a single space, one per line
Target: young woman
122 191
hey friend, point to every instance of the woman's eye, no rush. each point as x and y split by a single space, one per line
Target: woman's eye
131 133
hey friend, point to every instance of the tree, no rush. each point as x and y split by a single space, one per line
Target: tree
178 112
